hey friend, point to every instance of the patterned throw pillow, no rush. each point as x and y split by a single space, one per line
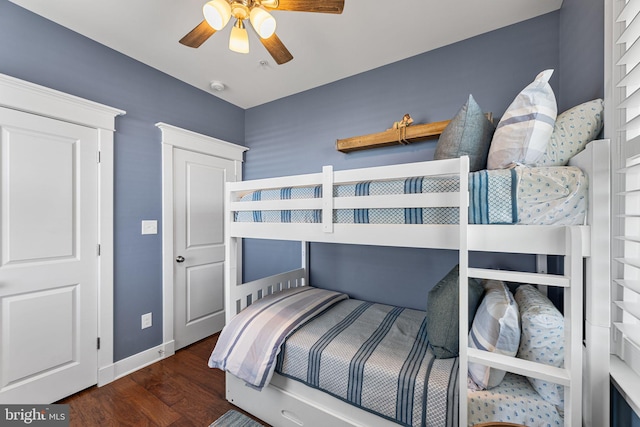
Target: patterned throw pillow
542 338
496 328
467 134
573 130
524 130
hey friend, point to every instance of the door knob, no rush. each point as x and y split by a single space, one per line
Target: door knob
179 258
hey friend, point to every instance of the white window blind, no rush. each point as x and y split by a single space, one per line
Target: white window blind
623 127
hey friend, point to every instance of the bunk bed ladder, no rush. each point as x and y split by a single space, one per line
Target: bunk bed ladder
570 376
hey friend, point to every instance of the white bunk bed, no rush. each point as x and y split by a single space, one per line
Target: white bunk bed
286 402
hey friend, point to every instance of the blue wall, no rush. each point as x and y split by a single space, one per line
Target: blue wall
581 43
297 134
37 50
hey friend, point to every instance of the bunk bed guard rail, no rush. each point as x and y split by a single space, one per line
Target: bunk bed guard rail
327 202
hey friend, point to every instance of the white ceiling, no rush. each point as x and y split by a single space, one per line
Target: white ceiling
325 47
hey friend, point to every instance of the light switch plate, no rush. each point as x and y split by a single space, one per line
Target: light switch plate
149 227
146 320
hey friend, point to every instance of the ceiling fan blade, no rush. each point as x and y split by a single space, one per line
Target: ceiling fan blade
277 49
198 35
320 6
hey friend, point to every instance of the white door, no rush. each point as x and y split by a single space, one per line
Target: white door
198 244
48 258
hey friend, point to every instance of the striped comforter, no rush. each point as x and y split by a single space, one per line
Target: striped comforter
375 357
248 345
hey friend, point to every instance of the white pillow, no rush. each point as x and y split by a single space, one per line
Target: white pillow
496 328
542 338
524 130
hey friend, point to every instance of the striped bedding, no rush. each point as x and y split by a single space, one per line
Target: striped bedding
522 195
375 357
248 345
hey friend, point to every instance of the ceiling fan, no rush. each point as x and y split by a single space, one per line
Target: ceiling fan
217 14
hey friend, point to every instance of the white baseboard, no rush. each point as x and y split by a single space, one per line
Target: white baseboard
133 363
106 375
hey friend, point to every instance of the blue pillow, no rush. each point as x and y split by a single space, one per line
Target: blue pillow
469 133
442 313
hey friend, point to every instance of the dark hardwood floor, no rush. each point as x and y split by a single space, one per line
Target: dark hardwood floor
180 390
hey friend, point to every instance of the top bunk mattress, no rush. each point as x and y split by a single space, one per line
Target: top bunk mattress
521 195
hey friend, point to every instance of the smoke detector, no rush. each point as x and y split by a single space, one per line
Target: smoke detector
217 86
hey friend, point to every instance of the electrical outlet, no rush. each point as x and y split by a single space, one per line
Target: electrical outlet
146 321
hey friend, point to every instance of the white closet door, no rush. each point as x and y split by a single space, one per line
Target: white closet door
48 258
199 242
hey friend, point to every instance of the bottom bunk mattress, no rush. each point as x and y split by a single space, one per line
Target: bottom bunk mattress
513 400
377 358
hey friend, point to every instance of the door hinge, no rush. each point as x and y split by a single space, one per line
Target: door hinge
98 156
98 249
98 343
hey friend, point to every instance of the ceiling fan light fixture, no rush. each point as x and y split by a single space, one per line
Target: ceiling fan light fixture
263 22
239 39
217 13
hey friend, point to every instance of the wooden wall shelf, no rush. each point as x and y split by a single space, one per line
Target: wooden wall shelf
407 135
402 136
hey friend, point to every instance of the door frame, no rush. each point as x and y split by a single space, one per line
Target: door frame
174 137
31 98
